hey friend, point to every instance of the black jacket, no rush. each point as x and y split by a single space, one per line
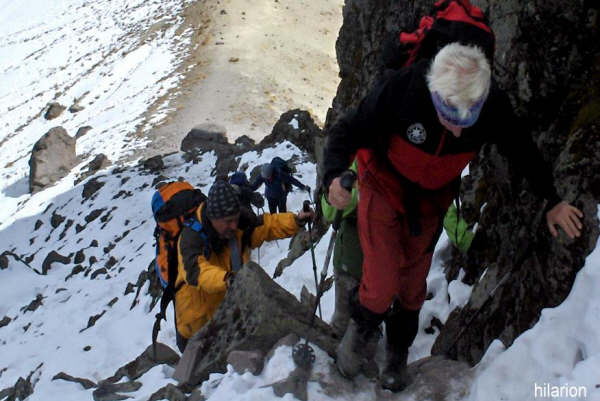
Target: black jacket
404 100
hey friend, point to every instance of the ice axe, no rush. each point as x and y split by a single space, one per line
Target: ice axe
302 353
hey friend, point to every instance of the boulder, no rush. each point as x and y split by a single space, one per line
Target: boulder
81 131
144 362
212 137
75 108
154 164
98 163
52 158
54 110
169 392
255 314
298 127
86 383
246 361
54 257
204 137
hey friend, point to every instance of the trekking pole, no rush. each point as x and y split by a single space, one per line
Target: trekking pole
306 208
310 196
302 353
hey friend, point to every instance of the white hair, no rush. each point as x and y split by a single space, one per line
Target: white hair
461 75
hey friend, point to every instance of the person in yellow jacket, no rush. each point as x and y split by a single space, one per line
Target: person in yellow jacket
213 248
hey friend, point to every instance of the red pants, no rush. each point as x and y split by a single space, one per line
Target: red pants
395 264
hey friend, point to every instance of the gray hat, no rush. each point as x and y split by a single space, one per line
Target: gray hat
222 201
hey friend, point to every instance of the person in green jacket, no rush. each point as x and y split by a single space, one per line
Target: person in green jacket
347 267
347 259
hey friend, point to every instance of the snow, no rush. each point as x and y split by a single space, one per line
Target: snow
90 52
120 60
562 349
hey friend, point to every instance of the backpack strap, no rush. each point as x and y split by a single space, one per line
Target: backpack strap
168 295
195 225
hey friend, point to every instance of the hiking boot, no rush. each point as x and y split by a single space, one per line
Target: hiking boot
395 375
369 367
351 353
401 327
344 287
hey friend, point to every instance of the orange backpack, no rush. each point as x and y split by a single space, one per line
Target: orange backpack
174 206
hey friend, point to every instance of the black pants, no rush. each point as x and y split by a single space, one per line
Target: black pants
277 203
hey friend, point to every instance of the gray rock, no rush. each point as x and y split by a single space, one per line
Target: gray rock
204 137
53 156
108 391
97 272
81 131
54 110
3 261
22 389
246 361
56 219
298 127
92 320
153 164
98 163
79 256
211 137
169 392
75 108
146 361
5 321
86 383
254 315
33 305
54 257
299 244
91 187
289 340
294 384
244 142
196 396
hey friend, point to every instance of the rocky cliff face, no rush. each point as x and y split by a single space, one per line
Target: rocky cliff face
548 59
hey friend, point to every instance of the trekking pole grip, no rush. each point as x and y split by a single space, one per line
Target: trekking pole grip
306 206
347 180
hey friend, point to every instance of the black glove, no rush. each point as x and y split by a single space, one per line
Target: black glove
257 200
307 188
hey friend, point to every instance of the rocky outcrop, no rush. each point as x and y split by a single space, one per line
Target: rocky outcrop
52 158
211 137
298 127
547 58
54 110
255 314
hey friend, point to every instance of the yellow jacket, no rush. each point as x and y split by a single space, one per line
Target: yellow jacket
202 281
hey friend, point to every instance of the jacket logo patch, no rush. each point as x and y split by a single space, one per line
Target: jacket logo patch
416 133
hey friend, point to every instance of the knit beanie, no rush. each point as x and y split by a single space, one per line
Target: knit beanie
222 201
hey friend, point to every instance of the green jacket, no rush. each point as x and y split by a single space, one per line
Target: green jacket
457 230
347 254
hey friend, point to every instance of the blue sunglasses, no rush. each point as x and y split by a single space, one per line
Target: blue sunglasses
452 114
